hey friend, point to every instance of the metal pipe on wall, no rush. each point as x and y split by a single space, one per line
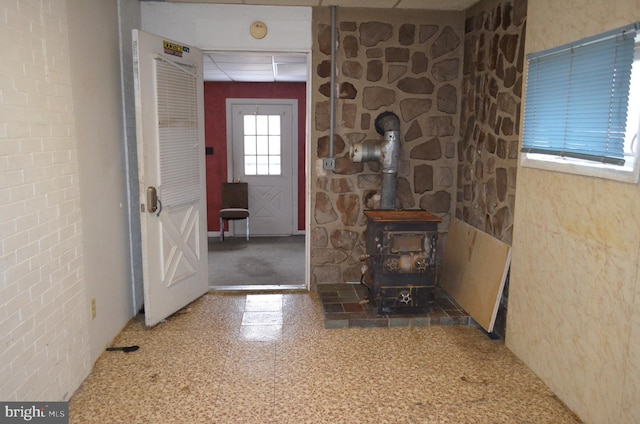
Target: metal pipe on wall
386 152
332 97
329 163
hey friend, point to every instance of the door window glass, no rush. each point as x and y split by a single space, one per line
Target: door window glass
262 141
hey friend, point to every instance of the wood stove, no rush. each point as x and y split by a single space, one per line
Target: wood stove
401 259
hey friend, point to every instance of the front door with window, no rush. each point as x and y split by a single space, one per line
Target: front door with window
263 155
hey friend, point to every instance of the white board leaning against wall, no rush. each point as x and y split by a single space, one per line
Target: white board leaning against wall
474 270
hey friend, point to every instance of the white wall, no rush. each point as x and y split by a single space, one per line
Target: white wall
44 331
63 195
574 297
97 97
226 27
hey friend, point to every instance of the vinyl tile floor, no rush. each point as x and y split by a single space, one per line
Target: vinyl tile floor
268 358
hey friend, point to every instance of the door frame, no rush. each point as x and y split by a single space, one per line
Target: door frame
137 288
230 102
215 28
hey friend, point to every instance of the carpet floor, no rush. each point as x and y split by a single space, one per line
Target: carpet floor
261 261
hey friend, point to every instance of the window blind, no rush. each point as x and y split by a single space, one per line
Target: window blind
577 98
176 87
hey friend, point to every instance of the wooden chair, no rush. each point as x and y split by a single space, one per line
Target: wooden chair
235 205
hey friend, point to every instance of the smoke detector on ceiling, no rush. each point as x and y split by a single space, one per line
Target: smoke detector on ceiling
258 30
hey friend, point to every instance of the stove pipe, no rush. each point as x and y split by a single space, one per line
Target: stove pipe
385 152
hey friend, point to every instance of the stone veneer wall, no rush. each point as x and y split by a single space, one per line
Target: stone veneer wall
490 121
405 61
490 117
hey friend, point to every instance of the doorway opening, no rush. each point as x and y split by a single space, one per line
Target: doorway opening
263 123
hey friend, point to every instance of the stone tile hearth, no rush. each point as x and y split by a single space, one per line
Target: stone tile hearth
346 305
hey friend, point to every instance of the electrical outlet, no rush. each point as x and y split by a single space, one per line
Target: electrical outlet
93 308
329 164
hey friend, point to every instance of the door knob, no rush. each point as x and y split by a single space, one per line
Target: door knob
152 199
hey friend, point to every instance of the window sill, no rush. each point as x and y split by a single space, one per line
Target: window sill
627 174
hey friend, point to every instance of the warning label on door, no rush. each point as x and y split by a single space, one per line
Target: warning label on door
174 49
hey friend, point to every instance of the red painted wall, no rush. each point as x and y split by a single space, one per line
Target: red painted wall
215 121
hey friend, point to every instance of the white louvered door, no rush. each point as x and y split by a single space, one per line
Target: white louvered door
170 137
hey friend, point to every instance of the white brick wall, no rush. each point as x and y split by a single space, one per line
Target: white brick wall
44 352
